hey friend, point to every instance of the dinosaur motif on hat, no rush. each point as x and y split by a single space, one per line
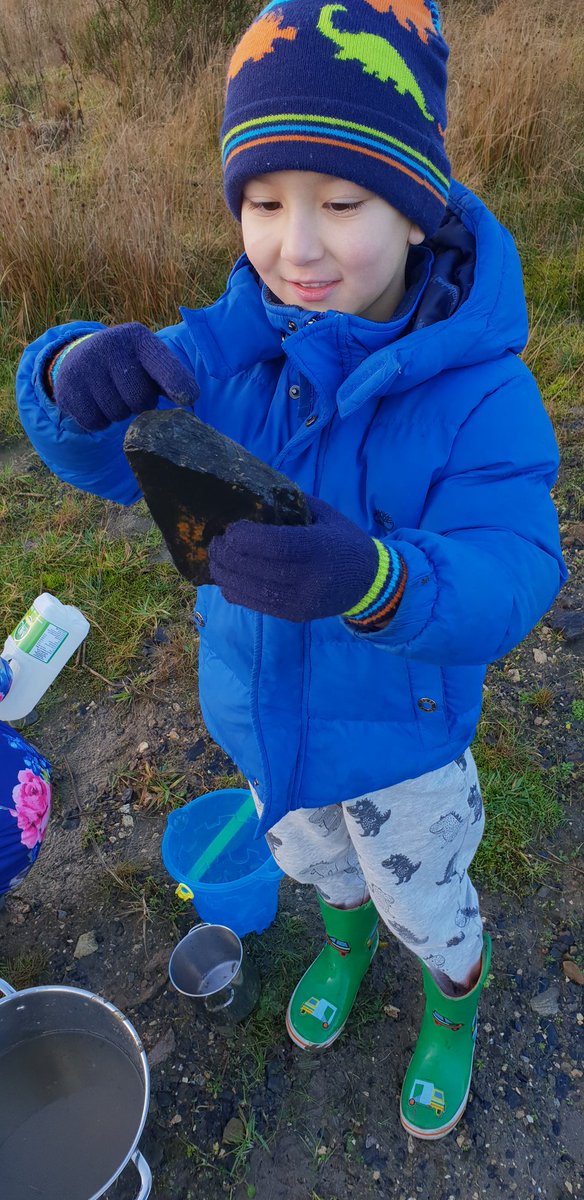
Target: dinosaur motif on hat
376 55
259 40
411 14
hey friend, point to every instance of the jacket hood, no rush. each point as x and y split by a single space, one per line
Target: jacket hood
469 275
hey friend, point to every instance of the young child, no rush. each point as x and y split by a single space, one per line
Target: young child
366 346
25 800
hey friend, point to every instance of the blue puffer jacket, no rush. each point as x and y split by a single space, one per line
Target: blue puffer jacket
433 437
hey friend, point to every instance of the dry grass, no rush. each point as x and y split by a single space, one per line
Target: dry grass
120 220
110 188
517 91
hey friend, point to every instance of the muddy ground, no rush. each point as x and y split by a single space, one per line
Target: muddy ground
321 1127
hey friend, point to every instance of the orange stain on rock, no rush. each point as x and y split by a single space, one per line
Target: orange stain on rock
189 537
259 41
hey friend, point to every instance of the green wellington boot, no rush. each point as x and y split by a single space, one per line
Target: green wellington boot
437 1082
321 1002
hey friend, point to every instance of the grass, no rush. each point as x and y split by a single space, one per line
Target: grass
522 806
289 955
10 427
24 970
250 1137
541 698
155 787
136 892
93 833
57 540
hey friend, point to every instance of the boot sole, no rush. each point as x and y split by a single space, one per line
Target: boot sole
435 1134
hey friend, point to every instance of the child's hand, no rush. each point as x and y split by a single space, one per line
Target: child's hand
115 373
295 572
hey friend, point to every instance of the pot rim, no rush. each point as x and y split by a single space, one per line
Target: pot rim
15 995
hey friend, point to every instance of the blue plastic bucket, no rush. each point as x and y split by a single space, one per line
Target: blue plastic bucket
210 846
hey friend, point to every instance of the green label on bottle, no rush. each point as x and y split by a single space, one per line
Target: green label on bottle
38 637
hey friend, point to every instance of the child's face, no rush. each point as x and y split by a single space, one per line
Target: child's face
323 243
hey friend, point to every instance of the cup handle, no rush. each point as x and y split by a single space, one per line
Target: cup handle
220 1007
6 989
145 1175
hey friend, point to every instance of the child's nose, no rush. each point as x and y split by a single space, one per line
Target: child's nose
301 241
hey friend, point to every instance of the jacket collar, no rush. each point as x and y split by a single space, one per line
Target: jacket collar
350 352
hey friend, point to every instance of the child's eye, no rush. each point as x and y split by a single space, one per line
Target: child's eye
340 206
263 205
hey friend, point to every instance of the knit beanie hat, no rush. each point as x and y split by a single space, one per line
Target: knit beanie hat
355 90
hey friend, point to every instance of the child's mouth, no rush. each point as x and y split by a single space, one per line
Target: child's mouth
313 291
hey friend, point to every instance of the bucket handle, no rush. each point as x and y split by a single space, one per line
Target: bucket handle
6 989
145 1175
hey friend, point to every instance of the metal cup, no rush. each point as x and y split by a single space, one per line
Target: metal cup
208 966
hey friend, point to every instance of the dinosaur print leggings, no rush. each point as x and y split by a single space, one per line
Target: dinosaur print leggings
408 847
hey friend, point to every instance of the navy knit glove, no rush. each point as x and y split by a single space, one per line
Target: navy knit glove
301 573
116 373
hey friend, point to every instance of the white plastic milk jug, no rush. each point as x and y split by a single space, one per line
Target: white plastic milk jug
47 636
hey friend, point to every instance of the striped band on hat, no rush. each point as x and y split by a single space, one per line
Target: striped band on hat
344 135
354 90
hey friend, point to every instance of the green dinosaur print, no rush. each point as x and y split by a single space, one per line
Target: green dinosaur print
377 56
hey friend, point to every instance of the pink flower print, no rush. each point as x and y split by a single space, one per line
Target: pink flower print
32 800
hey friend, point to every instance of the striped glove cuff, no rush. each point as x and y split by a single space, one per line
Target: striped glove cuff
55 363
382 601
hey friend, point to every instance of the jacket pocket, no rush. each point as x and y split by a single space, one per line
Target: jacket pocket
428 703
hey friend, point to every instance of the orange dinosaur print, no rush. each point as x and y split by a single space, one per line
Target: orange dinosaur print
411 14
259 41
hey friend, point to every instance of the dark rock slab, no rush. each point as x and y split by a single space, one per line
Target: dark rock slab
570 622
196 482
